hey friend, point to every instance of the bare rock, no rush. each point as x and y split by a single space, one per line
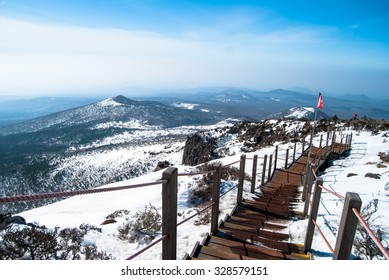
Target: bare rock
373 175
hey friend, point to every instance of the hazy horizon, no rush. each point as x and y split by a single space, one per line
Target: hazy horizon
103 48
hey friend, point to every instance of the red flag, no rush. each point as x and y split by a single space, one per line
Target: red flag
320 102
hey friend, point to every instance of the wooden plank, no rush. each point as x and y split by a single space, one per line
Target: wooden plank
252 250
222 254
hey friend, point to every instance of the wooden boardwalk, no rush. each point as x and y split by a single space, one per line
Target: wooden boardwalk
258 228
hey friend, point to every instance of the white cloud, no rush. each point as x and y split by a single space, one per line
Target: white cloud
41 58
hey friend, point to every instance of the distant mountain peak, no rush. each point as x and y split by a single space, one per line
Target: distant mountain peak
304 113
117 101
123 100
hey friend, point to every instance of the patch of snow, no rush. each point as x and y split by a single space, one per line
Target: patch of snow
300 112
109 103
187 106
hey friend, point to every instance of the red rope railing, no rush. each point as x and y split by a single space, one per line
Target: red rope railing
323 236
20 198
371 233
357 214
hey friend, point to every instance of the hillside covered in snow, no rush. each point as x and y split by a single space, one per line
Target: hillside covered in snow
368 155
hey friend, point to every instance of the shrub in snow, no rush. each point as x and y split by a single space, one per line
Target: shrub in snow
118 214
142 227
36 242
364 245
203 218
384 156
203 191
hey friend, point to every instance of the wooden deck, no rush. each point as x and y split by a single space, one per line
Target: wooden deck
258 228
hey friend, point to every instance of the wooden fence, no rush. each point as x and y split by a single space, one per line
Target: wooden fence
270 164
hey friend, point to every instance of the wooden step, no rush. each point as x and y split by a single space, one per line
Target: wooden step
250 250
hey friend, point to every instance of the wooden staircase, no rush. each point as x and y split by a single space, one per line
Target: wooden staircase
258 228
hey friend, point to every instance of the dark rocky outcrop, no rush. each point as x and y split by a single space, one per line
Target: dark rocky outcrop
199 148
373 175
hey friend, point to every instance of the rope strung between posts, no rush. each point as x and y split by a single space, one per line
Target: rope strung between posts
359 217
323 236
371 233
21 198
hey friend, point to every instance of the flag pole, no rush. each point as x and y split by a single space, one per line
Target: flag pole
312 134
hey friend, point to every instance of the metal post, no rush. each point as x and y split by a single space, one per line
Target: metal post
169 214
321 140
241 178
286 158
254 173
303 148
313 215
215 199
347 227
264 171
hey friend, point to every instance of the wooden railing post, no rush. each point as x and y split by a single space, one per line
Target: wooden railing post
254 173
347 227
294 151
169 214
264 170
215 199
333 140
313 215
286 158
270 167
346 142
275 158
305 178
327 140
308 189
350 141
241 178
303 148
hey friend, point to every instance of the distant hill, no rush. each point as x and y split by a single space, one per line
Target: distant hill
254 105
116 109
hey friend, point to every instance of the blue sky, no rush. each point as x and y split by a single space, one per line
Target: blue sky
118 46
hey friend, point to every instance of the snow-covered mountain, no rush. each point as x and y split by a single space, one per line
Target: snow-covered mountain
305 113
92 145
112 111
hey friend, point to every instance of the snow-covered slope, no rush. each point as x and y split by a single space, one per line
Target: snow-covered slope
304 113
93 209
116 109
